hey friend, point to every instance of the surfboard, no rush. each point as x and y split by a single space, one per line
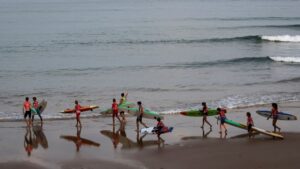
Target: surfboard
149 114
121 107
281 115
40 109
153 130
256 129
83 109
198 113
269 133
42 106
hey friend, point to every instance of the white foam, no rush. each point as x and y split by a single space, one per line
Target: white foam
282 38
285 59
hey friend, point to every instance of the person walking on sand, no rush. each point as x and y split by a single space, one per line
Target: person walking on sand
36 107
160 128
139 118
250 123
77 112
27 111
205 114
222 118
115 110
274 115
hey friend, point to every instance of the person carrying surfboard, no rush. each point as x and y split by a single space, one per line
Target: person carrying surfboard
36 107
27 111
139 118
122 101
160 127
205 114
77 112
222 118
250 123
274 115
115 110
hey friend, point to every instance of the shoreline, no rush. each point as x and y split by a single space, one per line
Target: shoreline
104 115
118 148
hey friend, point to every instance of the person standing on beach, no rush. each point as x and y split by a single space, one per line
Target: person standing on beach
122 101
222 118
205 114
27 111
77 111
139 118
36 107
250 123
115 110
274 115
123 98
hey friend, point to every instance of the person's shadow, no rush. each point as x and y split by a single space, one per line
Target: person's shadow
79 141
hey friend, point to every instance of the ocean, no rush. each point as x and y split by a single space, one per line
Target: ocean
171 55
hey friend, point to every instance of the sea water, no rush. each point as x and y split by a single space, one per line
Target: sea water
171 55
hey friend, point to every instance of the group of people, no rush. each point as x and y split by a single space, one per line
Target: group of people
27 107
250 122
27 110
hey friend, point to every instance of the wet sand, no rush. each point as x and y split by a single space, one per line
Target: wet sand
58 144
264 153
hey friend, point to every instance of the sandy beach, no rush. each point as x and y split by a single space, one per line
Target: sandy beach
60 145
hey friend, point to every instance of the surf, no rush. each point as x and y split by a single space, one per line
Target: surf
282 38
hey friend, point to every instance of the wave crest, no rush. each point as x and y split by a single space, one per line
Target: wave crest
282 38
285 59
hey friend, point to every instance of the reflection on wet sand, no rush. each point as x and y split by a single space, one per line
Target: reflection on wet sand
204 136
34 137
119 136
244 135
78 140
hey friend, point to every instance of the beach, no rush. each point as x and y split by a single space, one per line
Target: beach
171 56
188 146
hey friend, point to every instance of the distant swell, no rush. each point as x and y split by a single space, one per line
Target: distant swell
254 38
282 38
249 39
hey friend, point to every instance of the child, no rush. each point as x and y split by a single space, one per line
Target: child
250 123
77 111
274 114
27 111
222 117
140 114
160 127
123 100
115 110
205 114
36 107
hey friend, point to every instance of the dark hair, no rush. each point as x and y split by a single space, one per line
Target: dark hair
27 98
76 101
139 103
34 98
203 103
219 109
158 118
248 114
122 112
114 100
274 105
122 94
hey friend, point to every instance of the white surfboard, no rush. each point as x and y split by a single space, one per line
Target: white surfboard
269 133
